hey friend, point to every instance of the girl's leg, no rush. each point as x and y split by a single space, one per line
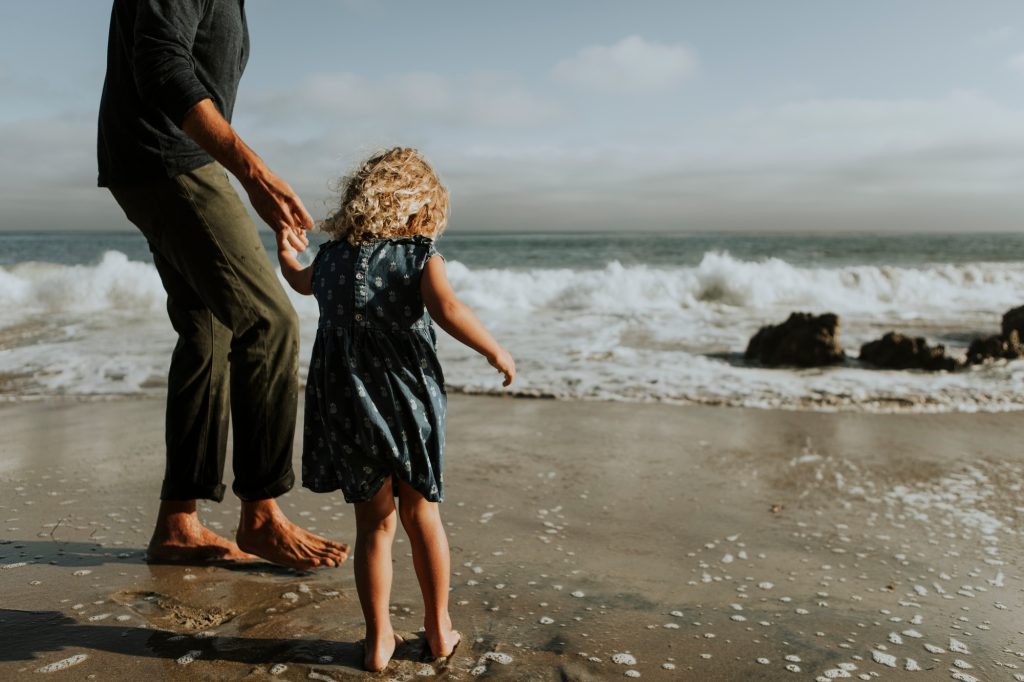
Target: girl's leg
422 522
375 531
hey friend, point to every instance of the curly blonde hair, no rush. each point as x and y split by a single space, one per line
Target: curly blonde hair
392 194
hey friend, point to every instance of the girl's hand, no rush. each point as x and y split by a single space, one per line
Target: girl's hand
285 247
300 278
503 362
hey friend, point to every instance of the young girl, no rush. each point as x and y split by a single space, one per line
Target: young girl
375 398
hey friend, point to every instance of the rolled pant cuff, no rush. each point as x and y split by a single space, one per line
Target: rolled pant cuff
275 489
191 491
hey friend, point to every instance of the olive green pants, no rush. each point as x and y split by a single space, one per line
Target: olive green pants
237 349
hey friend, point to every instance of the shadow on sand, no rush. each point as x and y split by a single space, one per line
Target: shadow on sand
28 634
79 554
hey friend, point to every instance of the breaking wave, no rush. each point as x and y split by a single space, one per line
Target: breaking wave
635 332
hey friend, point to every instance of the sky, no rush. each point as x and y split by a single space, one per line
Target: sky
791 115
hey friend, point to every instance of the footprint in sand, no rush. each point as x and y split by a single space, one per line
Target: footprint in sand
170 613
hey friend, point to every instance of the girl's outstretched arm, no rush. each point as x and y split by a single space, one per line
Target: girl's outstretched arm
300 278
456 318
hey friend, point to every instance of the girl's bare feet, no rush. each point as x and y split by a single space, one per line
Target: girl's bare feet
377 651
442 641
264 530
179 537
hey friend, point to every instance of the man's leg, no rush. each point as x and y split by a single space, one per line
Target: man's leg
197 394
197 410
196 428
200 227
227 264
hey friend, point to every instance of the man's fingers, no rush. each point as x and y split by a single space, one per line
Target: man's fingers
301 216
298 214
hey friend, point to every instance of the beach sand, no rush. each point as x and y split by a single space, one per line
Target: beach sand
590 541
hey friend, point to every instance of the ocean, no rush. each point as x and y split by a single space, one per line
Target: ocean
634 317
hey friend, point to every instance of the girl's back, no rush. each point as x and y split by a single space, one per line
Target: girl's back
375 402
374 286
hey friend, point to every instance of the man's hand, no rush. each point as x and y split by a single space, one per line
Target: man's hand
279 207
272 197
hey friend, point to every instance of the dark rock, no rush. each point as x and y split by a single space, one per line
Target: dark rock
1013 320
803 340
1005 346
896 351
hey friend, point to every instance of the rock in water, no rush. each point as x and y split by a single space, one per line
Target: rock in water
896 351
1004 346
803 340
1013 320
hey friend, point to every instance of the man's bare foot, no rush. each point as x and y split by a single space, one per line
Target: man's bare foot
265 531
377 651
179 537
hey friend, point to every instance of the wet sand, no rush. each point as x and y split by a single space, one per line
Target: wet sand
590 541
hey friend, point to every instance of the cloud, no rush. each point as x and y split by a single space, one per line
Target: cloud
951 162
414 100
1000 35
1016 62
829 130
946 163
633 65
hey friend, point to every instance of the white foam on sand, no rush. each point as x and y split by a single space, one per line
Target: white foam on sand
62 664
960 676
189 657
883 658
957 646
959 497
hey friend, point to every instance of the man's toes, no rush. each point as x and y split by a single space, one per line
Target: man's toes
329 558
333 546
335 554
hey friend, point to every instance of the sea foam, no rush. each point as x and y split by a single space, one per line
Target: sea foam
115 283
613 331
719 281
723 281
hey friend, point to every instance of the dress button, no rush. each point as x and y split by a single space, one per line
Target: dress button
359 275
358 317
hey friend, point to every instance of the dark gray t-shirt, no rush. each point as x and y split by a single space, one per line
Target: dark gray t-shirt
163 57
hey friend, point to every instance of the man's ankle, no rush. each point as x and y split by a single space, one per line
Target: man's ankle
172 507
256 513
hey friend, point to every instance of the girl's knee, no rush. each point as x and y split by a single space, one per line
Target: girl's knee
415 509
387 524
378 513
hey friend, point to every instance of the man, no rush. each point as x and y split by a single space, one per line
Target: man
165 140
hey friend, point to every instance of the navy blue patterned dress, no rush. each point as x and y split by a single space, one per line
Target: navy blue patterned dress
375 398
